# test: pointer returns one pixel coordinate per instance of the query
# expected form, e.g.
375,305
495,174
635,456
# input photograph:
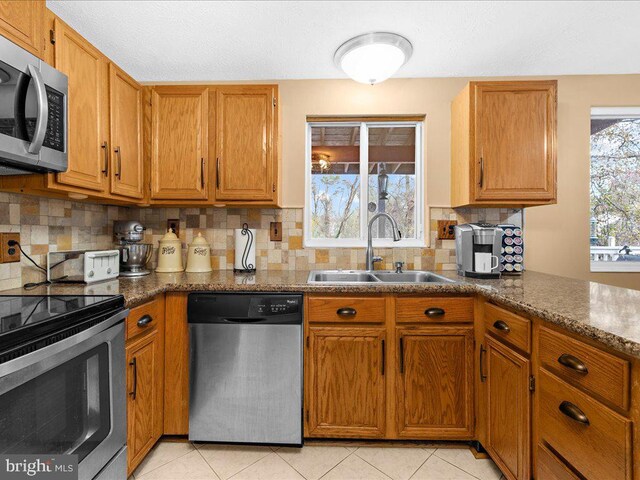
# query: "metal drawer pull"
346,312
401,355
573,363
134,364
573,412
483,350
434,312
502,326
145,320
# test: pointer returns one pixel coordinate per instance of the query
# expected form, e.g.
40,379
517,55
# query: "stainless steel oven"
63,391
33,113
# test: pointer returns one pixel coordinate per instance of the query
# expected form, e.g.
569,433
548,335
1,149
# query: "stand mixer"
134,255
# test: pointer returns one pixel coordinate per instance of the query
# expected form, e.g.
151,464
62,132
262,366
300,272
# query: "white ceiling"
260,40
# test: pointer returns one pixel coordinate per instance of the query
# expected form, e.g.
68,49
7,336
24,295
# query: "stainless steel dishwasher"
245,368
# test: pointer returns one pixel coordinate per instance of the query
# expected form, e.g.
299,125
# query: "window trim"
611,266
361,242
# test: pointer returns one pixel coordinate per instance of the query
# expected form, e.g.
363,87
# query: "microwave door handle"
43,111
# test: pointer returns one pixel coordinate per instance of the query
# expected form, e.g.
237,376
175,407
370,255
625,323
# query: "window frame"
604,265
420,183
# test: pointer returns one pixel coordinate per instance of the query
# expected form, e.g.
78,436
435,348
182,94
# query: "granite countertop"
610,315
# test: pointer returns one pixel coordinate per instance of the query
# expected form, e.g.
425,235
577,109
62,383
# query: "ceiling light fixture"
373,57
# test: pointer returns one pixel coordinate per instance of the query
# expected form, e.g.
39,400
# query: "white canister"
170,253
245,243
199,255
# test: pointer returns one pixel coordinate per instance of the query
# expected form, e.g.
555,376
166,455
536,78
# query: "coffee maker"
134,255
478,248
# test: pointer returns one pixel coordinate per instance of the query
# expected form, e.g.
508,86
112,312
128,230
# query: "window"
357,169
615,189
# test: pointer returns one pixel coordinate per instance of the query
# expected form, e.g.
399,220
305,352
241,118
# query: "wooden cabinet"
125,107
145,379
88,147
21,21
346,387
179,146
503,144
506,374
246,143
435,382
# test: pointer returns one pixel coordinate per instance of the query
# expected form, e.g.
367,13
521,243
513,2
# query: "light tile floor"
183,460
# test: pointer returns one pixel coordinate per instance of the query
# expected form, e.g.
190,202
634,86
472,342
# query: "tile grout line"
205,461
460,468
243,469
425,461
383,473
337,464
133,474
285,461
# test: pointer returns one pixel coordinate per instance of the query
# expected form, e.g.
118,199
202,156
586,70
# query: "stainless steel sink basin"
342,277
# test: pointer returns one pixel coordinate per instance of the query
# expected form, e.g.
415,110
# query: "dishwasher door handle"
245,320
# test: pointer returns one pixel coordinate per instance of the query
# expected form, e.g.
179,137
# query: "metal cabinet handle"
434,312
401,355
218,173
43,111
135,378
502,326
346,312
483,350
573,412
481,171
383,354
202,172
105,147
573,363
144,320
119,157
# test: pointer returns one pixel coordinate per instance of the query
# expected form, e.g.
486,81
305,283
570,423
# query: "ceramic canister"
199,255
170,253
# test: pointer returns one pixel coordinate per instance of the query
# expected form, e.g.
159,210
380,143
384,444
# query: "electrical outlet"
275,231
174,224
445,229
9,253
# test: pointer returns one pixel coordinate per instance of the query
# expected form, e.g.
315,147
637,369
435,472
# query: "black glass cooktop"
25,317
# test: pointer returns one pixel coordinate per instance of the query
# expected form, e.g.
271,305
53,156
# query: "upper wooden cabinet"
245,143
87,69
21,22
125,107
503,144
179,146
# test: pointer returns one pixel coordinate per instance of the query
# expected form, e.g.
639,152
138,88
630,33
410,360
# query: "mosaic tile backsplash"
54,225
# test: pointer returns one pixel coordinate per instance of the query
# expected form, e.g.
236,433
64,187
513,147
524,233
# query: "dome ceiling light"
373,57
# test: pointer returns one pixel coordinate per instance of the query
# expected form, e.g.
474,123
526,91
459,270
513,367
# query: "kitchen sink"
342,277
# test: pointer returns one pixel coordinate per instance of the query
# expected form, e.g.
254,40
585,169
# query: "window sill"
328,243
615,267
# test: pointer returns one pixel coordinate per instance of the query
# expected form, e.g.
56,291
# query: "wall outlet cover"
9,254
445,229
174,224
275,231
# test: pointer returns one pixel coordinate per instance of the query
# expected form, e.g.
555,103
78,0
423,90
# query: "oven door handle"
43,111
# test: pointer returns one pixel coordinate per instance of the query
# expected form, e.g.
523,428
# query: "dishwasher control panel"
269,308
274,306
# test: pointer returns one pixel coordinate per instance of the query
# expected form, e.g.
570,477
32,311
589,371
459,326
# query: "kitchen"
193,223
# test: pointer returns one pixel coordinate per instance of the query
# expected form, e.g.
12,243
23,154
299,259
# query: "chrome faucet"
369,258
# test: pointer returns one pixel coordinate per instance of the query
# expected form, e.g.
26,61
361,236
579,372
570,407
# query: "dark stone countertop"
609,315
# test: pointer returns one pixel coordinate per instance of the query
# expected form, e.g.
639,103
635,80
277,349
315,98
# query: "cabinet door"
125,106
515,135
346,387
144,399
508,407
434,382
21,22
179,143
87,69
245,140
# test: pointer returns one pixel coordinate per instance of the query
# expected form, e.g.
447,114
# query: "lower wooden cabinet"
345,393
435,382
508,408
145,379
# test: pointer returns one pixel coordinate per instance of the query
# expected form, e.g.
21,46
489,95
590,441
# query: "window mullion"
364,179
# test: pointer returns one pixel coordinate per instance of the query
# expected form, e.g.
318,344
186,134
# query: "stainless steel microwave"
33,113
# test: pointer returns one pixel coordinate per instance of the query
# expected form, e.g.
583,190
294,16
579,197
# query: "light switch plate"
275,231
9,254
445,229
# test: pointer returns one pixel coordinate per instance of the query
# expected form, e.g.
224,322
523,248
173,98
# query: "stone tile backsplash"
54,225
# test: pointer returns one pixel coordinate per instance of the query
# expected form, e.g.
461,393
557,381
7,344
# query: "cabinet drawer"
549,467
434,309
508,326
595,440
346,309
594,370
144,318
